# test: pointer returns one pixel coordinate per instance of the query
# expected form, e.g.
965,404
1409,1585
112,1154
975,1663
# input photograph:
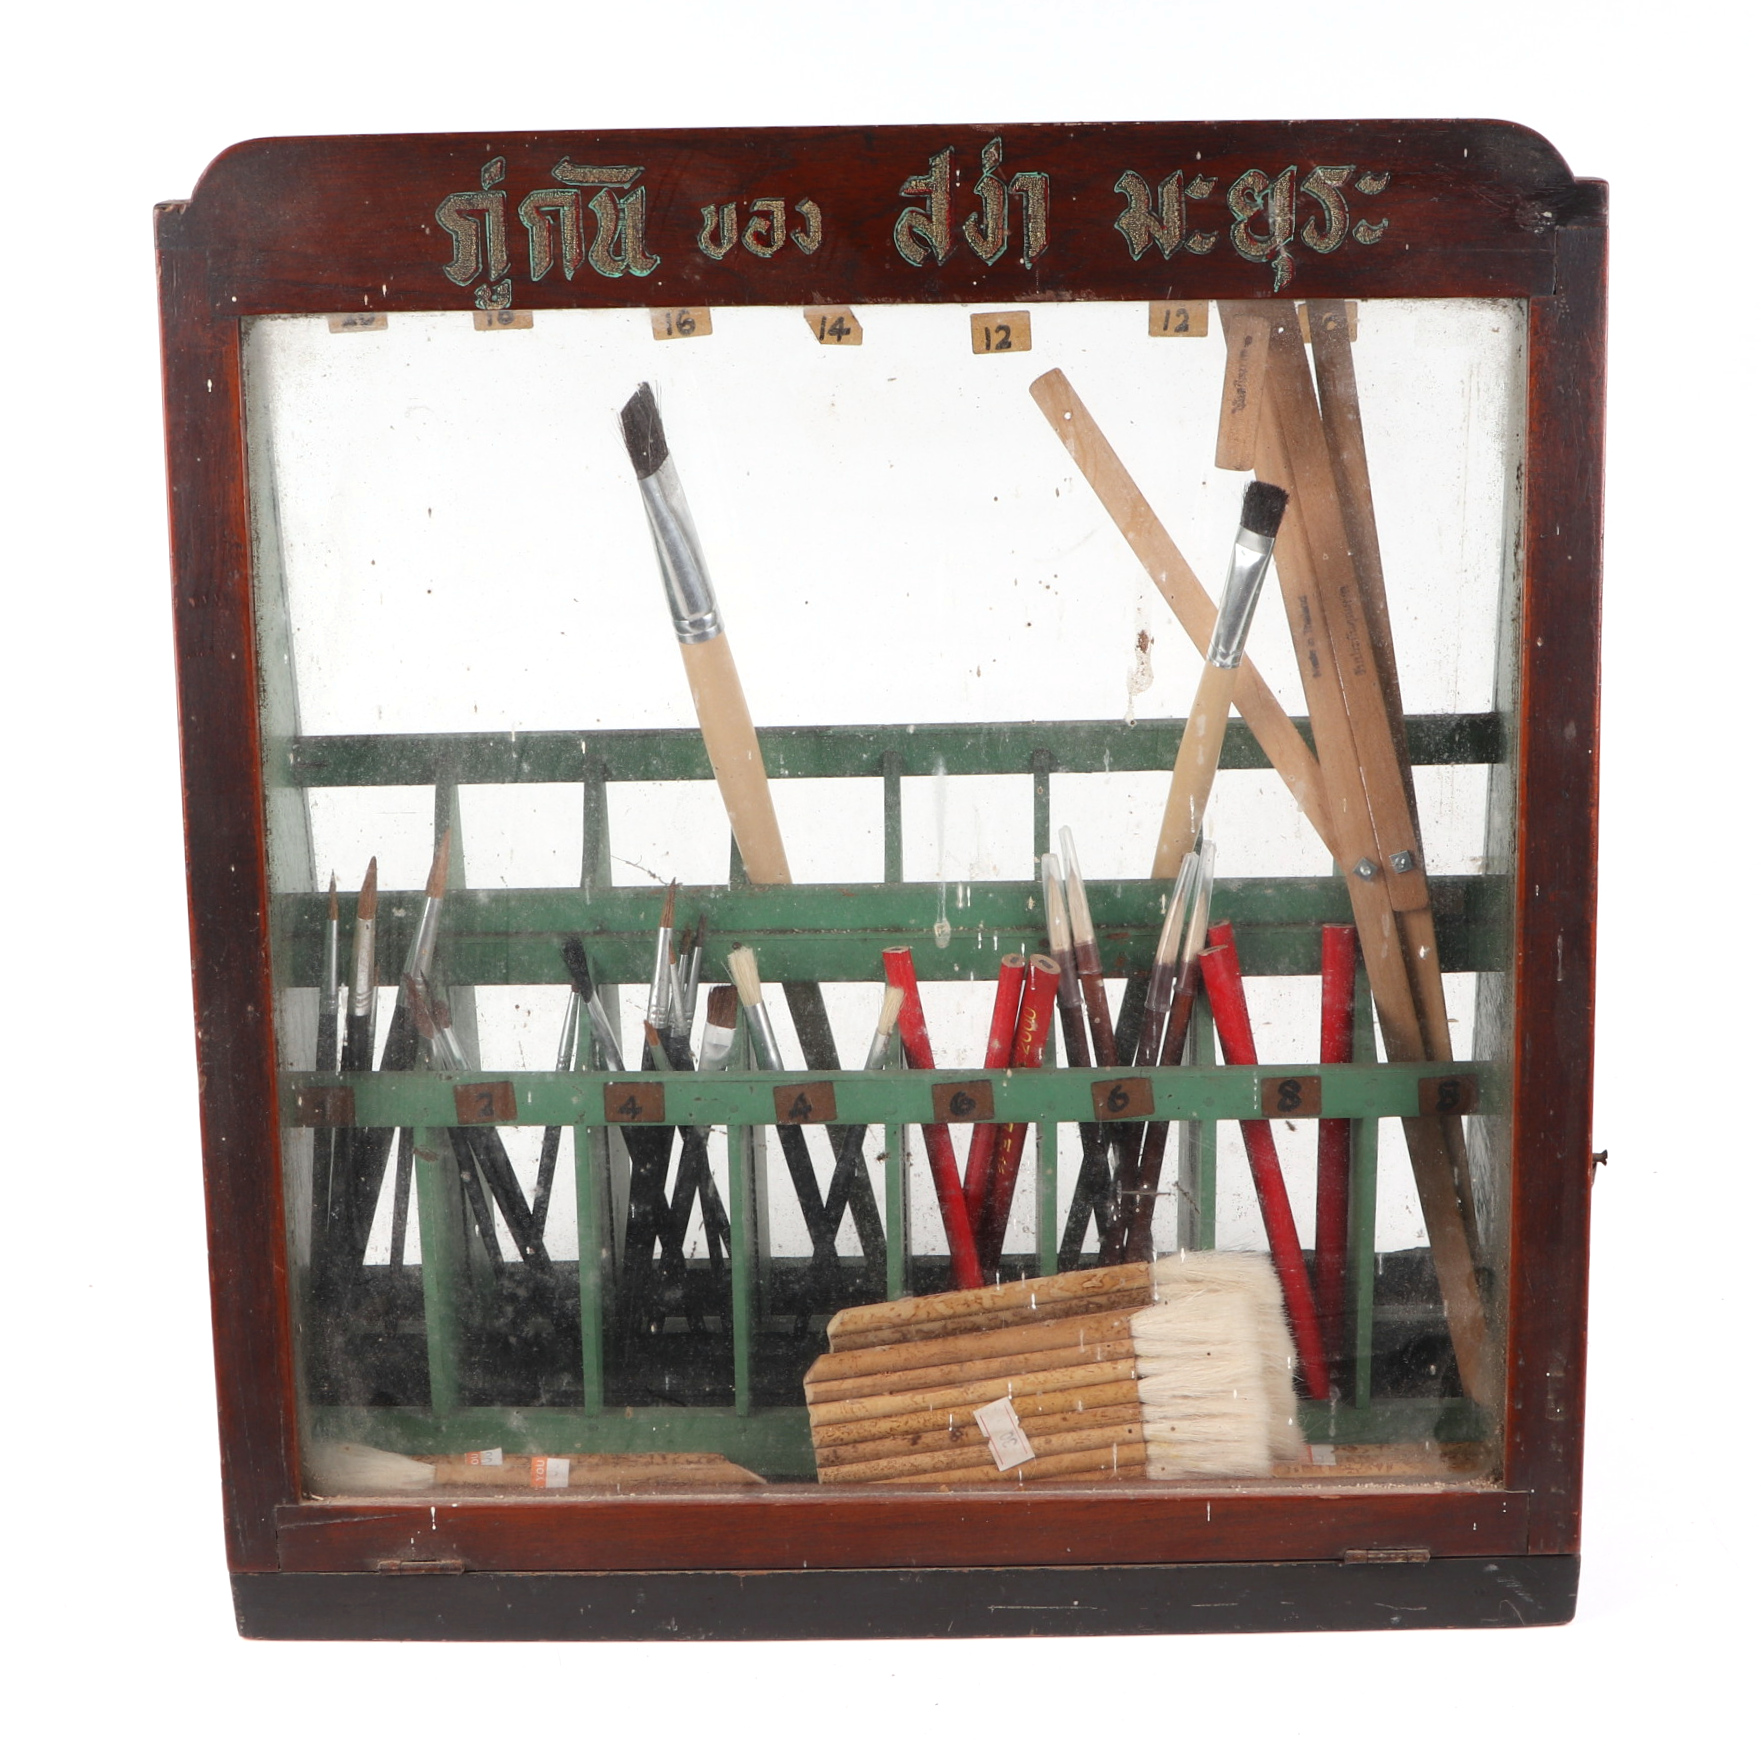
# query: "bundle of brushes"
1181,1368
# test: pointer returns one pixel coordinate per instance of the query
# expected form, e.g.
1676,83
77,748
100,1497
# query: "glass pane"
541,1206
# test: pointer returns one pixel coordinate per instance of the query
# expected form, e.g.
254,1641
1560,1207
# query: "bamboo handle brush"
1201,745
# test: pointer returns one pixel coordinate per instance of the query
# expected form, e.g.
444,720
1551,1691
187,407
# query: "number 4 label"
833,326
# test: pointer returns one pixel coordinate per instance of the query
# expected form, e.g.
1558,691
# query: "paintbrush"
743,967
718,1029
372,1146
1086,948
695,1182
693,970
1005,1013
728,734
1094,1183
1158,999
582,984
1228,997
663,1002
944,1169
1139,1206
1333,1136
1033,1031
553,1136
850,1149
326,1142
1201,743
357,1048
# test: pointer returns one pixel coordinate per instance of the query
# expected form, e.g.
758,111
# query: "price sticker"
679,323
500,320
1180,320
1449,1094
1008,330
488,1103
636,1103
1001,1425
360,322
550,1472
324,1106
798,1104
1296,1095
833,326
1123,1100
966,1100
483,1458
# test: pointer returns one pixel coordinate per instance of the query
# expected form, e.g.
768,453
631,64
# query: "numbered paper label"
358,323
1331,317
1123,1100
500,320
1180,320
635,1103
1008,330
1449,1094
969,1100
834,326
1297,1095
1001,1425
679,323
492,1102
796,1104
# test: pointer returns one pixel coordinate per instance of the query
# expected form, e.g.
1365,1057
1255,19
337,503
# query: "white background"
121,1624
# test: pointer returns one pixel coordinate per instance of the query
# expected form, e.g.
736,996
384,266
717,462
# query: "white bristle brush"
351,1469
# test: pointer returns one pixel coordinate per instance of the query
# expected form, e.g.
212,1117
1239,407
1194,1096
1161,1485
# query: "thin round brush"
1223,983
1033,1031
1088,956
850,1159
1005,1013
944,1169
1333,1140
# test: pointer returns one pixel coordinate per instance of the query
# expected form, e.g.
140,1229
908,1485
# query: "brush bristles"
580,976
891,1003
1262,508
643,435
1216,1367
339,1469
667,909
724,1007
437,872
743,967
1057,916
367,904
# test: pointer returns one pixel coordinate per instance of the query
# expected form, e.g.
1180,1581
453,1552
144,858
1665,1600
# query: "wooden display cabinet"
336,645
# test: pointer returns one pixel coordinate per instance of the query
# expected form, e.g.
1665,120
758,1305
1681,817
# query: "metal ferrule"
660,984
565,1049
362,982
764,1039
678,1019
329,992
718,1045
609,1051
682,569
1248,564
879,1046
693,974
421,959
1166,968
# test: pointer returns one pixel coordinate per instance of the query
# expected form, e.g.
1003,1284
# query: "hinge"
1387,1555
420,1567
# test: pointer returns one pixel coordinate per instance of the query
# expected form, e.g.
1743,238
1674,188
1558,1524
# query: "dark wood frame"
347,224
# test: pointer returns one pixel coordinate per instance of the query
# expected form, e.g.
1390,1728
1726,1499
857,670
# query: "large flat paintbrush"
728,734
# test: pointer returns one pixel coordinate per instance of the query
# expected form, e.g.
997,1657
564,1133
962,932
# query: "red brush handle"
1033,1032
1333,1146
944,1168
1005,1013
1222,973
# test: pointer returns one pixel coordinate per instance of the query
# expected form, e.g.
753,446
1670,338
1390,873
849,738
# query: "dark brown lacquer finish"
511,223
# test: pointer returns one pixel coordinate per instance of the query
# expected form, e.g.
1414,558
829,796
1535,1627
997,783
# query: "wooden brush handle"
1071,1379
1195,768
732,744
910,1318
